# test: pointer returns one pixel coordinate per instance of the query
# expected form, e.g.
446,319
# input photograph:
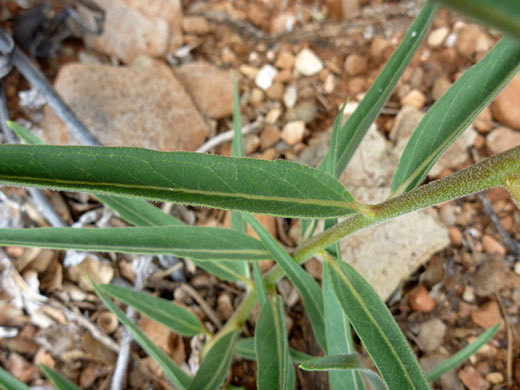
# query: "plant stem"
500,170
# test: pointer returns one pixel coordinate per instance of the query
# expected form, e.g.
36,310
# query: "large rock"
385,254
142,106
134,27
506,106
210,87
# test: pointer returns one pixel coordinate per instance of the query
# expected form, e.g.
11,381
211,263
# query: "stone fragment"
195,25
484,121
419,300
269,136
437,37
293,132
304,111
414,98
257,97
472,379
290,96
502,139
272,116
355,64
378,47
467,41
440,86
275,91
455,236
506,106
99,271
127,106
210,87
249,71
448,380
285,60
134,27
350,8
431,334
308,63
493,247
264,77
487,315
495,378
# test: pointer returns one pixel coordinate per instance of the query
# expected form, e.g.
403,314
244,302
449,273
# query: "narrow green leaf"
463,354
9,382
347,362
454,111
171,315
266,187
377,329
201,243
503,14
349,137
304,283
214,368
259,284
345,140
237,222
136,212
171,370
230,271
24,134
271,347
339,337
291,375
245,348
57,380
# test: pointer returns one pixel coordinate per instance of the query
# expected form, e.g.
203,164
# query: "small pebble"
502,139
249,71
285,60
437,37
290,96
355,64
308,63
472,379
272,116
420,300
493,247
455,236
487,315
469,294
431,334
414,98
269,136
275,91
330,83
517,268
257,97
293,132
264,77
495,378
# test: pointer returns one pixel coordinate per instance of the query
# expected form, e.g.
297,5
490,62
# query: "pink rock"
472,379
134,27
210,87
128,106
502,139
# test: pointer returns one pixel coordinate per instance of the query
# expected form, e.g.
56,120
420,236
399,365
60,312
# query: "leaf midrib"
77,183
359,299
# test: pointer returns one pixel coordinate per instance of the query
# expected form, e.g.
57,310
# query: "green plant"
294,191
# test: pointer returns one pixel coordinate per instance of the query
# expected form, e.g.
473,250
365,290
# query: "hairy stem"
500,170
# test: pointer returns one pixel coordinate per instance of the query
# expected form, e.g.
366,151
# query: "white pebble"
308,63
264,77
290,95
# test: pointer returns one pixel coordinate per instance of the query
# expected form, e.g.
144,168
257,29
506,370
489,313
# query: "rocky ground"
160,77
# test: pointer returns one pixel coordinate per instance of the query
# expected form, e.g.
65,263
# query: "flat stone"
142,106
440,86
487,315
437,37
293,132
466,44
448,380
269,136
355,64
210,87
265,76
414,98
304,111
134,27
431,334
472,379
484,121
285,60
506,106
308,63
502,139
195,25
